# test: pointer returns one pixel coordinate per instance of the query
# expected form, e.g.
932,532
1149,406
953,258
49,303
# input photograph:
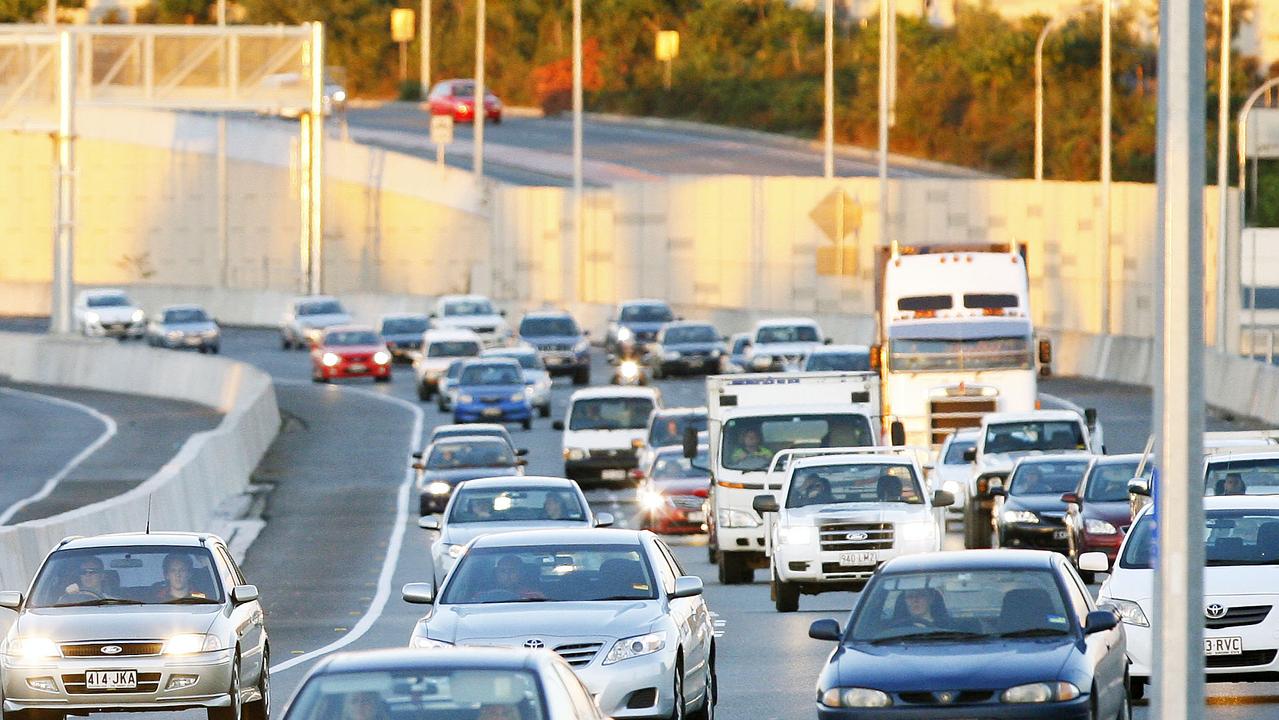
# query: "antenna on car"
148,530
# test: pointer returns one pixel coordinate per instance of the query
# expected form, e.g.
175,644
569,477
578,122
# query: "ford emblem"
112,649
857,536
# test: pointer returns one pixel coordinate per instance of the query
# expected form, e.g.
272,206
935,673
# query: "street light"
1039,96
1105,171
1223,178
887,18
477,115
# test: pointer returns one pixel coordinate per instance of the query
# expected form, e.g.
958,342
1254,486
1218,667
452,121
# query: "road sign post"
402,30
441,135
666,50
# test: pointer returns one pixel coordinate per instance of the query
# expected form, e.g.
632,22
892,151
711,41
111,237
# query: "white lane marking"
393,547
49,485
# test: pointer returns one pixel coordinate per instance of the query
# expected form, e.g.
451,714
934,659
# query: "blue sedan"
981,633
492,390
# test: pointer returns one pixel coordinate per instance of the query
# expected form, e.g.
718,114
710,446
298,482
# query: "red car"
348,351
1097,513
457,98
672,492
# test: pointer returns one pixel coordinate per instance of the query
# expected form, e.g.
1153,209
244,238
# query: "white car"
838,358
537,380
840,514
475,313
953,471
783,344
307,317
601,430
108,312
439,349
1241,590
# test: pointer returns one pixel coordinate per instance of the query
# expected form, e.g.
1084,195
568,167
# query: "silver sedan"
615,604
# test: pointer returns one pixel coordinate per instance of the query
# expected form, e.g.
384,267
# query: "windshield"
691,334
1243,477
468,430
404,326
530,504
1231,537
955,452
750,443
420,693
959,606
186,315
1047,478
838,362
669,429
470,454
486,374
564,573
1108,482
740,345
323,307
455,369
674,466
646,313
453,348
948,355
458,308
854,483
133,575
352,337
1034,435
786,334
621,413
527,360
548,327
107,301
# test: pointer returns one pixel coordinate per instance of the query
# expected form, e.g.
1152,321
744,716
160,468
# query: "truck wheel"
423,393
734,570
582,376
785,595
976,527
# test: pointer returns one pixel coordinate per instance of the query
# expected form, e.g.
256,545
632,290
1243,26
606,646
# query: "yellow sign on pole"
667,47
403,25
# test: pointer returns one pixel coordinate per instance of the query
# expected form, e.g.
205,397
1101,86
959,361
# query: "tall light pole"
64,210
887,16
1039,96
477,149
828,158
1105,170
1223,176
424,58
51,12
579,234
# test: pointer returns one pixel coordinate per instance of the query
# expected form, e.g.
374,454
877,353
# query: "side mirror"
825,629
765,504
970,454
1045,352
897,431
244,593
521,452
827,341
1094,562
687,586
418,593
690,443
1139,486
941,498
557,425
428,522
604,519
1090,418
1099,621
10,599
997,491
1070,498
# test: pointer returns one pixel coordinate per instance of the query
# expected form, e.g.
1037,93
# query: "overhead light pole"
1223,172
1105,170
424,58
1039,96
477,149
887,17
1241,139
579,234
828,125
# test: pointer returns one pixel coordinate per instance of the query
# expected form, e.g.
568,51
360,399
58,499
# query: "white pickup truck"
843,512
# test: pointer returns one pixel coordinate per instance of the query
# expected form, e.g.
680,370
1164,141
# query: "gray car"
137,622
455,459
307,317
615,604
403,333
184,326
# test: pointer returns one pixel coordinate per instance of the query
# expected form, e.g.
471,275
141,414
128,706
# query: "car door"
1105,650
247,619
690,616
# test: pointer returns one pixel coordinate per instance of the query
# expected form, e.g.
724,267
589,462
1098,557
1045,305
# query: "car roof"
643,301
1068,456
508,351
486,438
1030,416
785,321
460,658
548,313
350,328
477,427
620,391
518,481
185,539
1231,457
494,360
187,306
450,333
561,537
966,434
102,291
969,560
852,459
688,323
840,349
677,411
404,316
313,298
466,298
1119,459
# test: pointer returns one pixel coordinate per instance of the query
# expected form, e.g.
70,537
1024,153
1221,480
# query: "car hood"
1117,513
114,313
189,327
323,321
1138,584
857,512
789,348
513,623
120,622
1050,505
542,341
352,349
460,534
602,439
454,476
692,347
471,321
683,486
940,666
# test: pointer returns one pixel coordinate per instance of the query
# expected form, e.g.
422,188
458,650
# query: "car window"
646,313
107,301
674,466
670,557
669,429
739,345
564,573
750,443
462,308
838,362
955,452
453,348
691,334
529,504
1243,477
455,369
469,454
420,693
853,483
786,334
1034,435
352,337
1108,482
610,413
324,307
1078,597
1231,538
236,575
548,326
185,315
404,326
666,572
1046,478
487,374
144,574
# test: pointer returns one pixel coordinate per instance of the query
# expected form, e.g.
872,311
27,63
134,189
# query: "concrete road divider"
209,469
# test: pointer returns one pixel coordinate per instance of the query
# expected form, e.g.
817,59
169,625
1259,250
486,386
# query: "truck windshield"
749,443
853,483
929,355
1034,435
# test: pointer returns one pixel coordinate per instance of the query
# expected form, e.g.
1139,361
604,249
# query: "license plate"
554,361
612,474
864,557
491,412
357,368
111,680
697,516
1059,534
1223,646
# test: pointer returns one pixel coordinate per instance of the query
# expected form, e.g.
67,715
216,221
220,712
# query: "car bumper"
474,412
597,463
807,564
677,520
565,363
192,341
740,539
1108,544
116,330
1259,661
348,371
1037,537
1077,708
691,363
212,670
624,689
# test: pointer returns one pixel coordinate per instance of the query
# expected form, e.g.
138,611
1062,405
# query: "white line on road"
52,482
392,559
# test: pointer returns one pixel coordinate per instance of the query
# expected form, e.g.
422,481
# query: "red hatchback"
348,351
457,98
672,492
1097,513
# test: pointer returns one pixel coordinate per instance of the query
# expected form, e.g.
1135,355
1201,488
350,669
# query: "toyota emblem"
112,649
534,644
857,536
1215,610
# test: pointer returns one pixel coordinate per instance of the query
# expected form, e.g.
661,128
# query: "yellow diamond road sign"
837,215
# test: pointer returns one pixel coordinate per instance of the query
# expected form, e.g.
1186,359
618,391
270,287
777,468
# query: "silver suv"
137,622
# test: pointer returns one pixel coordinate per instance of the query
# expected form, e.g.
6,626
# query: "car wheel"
582,377
677,689
216,349
709,695
203,350
658,372
439,403
712,556
422,393
785,595
233,712
382,379
527,424
1136,688
733,569
423,506
975,523
261,709
544,411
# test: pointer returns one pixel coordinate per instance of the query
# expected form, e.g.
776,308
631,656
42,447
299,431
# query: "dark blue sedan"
492,390
979,633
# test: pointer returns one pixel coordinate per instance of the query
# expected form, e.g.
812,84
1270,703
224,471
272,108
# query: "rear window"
421,694
990,300
453,348
925,302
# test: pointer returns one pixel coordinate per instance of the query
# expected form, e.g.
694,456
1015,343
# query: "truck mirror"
897,431
1045,352
970,454
1090,418
1139,486
690,443
765,504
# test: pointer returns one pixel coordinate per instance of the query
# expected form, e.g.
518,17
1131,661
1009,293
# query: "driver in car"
510,582
751,449
88,584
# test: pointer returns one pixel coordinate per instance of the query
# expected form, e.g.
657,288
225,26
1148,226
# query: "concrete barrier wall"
210,468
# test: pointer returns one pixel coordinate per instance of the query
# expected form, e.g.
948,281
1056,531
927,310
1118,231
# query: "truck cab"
841,513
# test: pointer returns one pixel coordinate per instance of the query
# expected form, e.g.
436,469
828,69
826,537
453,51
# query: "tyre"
734,570
439,403
582,376
203,350
712,556
382,379
711,693
785,595
976,527
423,393
216,349
261,709
544,411
658,372
317,379
1136,688
527,424
423,506
677,689
235,711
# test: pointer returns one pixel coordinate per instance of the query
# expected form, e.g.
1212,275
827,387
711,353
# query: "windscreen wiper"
192,601
931,635
1035,632
100,601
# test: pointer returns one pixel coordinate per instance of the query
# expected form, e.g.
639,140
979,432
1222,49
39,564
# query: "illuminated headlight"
139,316
582,346
574,454
461,107
640,645
799,535
339,96
191,643
381,357
855,697
1021,516
629,370
1129,611
439,488
330,359
32,648
953,488
716,353
425,643
174,335
522,395
1041,692
730,518
914,530
464,398
761,362
672,355
624,334
92,318
651,500
1093,526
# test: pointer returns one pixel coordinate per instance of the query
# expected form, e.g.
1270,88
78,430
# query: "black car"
403,333
633,326
689,347
562,342
449,461
1028,511
976,633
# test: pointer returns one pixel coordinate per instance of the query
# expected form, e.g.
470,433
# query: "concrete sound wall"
185,494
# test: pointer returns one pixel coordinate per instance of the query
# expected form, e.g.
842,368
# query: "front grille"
611,454
357,358
490,398
846,536
1247,658
960,697
646,336
1052,519
1239,616
688,502
953,412
127,649
835,571
579,654
147,683
485,330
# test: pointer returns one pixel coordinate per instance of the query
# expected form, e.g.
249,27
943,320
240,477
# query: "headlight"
439,488
339,96
423,643
635,647
92,317
1129,611
520,396
32,648
139,316
761,362
651,500
799,535
211,333
330,359
914,530
672,355
1041,692
191,643
1021,516
461,107
624,334
582,346
730,518
464,398
629,370
381,357
574,454
1093,526
716,353
855,697
174,335
953,488
456,551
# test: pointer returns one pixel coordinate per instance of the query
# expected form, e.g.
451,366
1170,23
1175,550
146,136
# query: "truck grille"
856,536
1239,616
952,412
579,654
835,571
126,649
147,683
688,502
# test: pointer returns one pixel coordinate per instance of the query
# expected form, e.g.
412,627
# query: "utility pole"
64,208
424,61
579,234
828,164
887,18
477,149
1105,171
1223,174
1039,97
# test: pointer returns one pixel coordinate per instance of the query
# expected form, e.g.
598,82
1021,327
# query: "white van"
601,430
